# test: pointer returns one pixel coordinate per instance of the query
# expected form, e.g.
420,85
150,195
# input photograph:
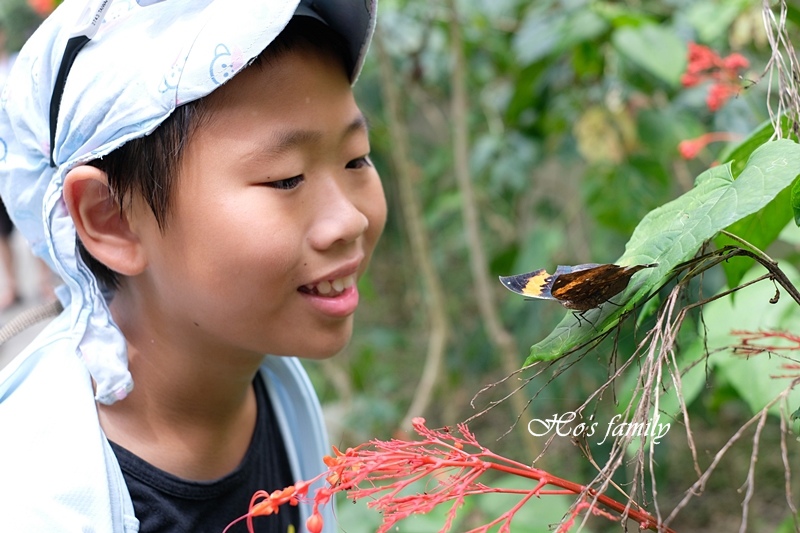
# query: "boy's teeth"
324,287
333,287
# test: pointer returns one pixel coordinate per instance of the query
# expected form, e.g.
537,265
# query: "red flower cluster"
706,65
43,7
453,462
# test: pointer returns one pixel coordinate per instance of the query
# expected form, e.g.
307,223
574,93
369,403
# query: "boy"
223,221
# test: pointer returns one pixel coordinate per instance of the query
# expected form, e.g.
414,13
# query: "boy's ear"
103,227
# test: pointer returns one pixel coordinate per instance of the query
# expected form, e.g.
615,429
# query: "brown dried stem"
418,236
784,66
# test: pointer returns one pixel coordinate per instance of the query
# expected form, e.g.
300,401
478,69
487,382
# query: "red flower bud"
314,523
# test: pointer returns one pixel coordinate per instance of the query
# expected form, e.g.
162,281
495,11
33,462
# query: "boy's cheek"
379,208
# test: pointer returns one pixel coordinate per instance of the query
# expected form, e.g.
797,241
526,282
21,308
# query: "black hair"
149,166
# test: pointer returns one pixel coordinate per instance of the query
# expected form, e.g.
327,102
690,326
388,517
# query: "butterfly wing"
586,288
570,269
582,289
536,284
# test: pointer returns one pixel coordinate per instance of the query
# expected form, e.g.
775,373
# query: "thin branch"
782,65
418,236
751,471
484,284
787,469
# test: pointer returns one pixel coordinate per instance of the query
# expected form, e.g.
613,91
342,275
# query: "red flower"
690,148
718,95
701,58
690,79
735,61
43,7
704,64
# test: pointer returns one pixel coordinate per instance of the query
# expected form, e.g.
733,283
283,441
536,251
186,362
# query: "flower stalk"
691,148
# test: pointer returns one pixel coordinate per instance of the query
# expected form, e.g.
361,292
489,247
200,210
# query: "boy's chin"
319,343
320,353
321,346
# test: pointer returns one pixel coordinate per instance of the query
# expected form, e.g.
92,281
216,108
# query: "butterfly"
579,287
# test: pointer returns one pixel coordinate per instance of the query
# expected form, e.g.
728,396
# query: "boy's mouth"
329,288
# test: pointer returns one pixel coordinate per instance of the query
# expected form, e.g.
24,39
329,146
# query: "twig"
752,248
787,469
484,285
783,64
439,331
751,481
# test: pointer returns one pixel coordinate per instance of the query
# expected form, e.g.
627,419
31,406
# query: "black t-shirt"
167,503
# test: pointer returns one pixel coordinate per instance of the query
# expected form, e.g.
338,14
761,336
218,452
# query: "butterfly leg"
581,317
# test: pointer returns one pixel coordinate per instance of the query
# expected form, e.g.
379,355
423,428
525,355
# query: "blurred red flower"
704,64
43,7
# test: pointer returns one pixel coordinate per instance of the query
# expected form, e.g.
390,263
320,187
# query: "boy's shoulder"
53,456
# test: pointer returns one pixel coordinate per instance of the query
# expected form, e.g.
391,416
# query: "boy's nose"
340,220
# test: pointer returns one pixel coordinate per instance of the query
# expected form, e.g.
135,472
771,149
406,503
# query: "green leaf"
623,15
796,202
674,232
544,32
787,526
738,154
712,20
641,184
753,377
761,228
657,50
793,13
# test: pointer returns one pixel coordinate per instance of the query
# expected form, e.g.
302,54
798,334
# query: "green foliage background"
575,113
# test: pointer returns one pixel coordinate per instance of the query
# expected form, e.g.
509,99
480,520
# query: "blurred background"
514,135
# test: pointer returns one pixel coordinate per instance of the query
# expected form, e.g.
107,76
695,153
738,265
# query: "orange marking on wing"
538,285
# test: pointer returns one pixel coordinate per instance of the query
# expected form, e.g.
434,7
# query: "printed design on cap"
35,75
118,9
225,63
116,15
173,76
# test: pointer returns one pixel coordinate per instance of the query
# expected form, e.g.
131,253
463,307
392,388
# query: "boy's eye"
359,162
287,184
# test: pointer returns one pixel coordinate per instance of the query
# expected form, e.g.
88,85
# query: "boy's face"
276,212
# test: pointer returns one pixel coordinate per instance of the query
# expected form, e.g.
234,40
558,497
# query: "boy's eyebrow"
287,139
